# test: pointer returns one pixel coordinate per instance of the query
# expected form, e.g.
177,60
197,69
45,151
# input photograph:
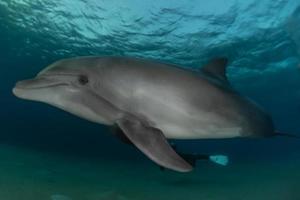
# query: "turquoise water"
46,153
39,175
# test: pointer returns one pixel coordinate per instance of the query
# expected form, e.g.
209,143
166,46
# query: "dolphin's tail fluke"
219,159
287,135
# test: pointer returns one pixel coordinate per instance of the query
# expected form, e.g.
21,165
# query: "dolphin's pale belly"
201,128
173,131
177,118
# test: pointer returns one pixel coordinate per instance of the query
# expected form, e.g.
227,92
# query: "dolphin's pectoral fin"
152,142
120,135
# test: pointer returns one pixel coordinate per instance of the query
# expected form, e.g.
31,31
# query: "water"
49,154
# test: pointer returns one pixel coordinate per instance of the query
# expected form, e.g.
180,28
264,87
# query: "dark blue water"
260,38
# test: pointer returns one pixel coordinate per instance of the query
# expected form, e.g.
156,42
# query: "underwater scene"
163,113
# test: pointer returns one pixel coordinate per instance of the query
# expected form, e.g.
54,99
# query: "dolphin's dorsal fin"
216,68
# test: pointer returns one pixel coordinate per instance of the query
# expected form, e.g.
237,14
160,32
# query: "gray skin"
150,101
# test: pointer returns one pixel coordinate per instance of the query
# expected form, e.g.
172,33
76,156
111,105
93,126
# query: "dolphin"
150,101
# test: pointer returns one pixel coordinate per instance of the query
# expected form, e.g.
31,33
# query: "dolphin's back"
183,104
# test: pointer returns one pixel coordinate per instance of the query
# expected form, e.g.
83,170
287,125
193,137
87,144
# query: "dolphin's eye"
83,80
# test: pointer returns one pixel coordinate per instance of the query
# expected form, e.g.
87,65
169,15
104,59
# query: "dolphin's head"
68,84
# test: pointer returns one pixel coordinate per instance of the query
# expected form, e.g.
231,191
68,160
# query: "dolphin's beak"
22,87
34,83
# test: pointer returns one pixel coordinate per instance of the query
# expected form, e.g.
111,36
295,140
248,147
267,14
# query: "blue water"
260,38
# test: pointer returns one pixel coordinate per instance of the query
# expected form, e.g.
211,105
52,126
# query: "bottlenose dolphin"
150,101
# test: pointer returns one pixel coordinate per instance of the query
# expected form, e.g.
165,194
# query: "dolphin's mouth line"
41,87
39,83
45,86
